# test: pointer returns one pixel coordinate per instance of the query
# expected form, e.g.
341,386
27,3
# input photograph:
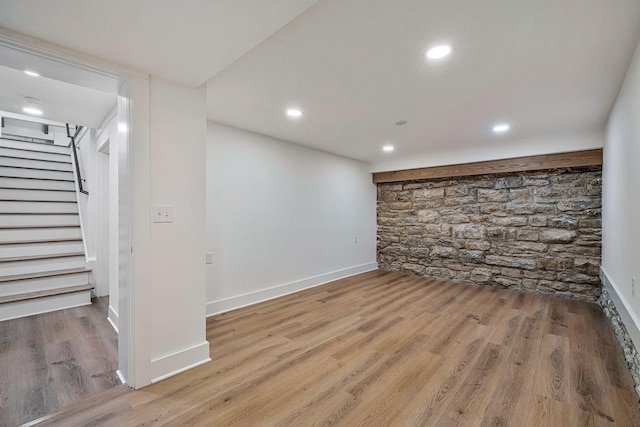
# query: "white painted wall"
176,254
282,217
621,200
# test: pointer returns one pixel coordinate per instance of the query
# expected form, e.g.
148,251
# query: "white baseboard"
113,319
239,301
630,320
180,361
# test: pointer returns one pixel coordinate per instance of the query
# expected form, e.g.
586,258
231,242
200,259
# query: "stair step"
42,294
30,303
35,164
15,207
11,171
42,220
41,248
21,235
29,194
22,153
43,280
37,264
38,184
35,146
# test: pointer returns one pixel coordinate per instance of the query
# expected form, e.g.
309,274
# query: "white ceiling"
355,67
60,101
186,41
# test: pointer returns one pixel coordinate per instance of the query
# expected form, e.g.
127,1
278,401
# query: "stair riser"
35,249
34,164
7,171
15,310
40,266
21,235
46,148
7,221
39,184
38,207
43,283
21,194
34,155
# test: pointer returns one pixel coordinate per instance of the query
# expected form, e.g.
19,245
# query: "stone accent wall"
630,351
534,231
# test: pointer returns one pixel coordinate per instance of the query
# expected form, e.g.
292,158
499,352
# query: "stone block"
555,263
529,235
471,231
508,182
508,282
529,208
538,221
480,275
415,268
492,196
563,221
521,195
507,261
509,221
557,235
429,193
579,205
457,191
388,196
466,255
443,252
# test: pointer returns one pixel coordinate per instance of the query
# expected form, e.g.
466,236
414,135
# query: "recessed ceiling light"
439,52
501,128
33,111
294,112
388,148
31,73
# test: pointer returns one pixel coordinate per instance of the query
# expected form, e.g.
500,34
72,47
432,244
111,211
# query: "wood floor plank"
379,349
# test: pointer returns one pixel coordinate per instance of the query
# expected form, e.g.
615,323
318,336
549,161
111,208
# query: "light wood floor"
388,349
53,360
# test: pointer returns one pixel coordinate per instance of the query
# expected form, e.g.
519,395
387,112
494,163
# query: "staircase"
42,260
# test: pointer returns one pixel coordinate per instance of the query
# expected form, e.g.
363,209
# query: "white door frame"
133,119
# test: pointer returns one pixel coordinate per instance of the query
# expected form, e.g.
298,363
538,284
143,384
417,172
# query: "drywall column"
176,275
621,214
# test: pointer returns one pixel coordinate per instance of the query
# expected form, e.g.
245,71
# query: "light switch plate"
162,213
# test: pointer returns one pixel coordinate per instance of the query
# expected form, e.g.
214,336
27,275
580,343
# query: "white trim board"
631,322
239,301
113,319
180,361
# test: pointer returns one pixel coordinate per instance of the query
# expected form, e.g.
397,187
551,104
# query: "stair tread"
35,160
23,227
36,178
38,201
45,226
42,257
29,242
41,144
43,294
37,189
31,150
39,275
35,169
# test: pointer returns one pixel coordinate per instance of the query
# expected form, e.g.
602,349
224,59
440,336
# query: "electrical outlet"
633,286
209,257
162,213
